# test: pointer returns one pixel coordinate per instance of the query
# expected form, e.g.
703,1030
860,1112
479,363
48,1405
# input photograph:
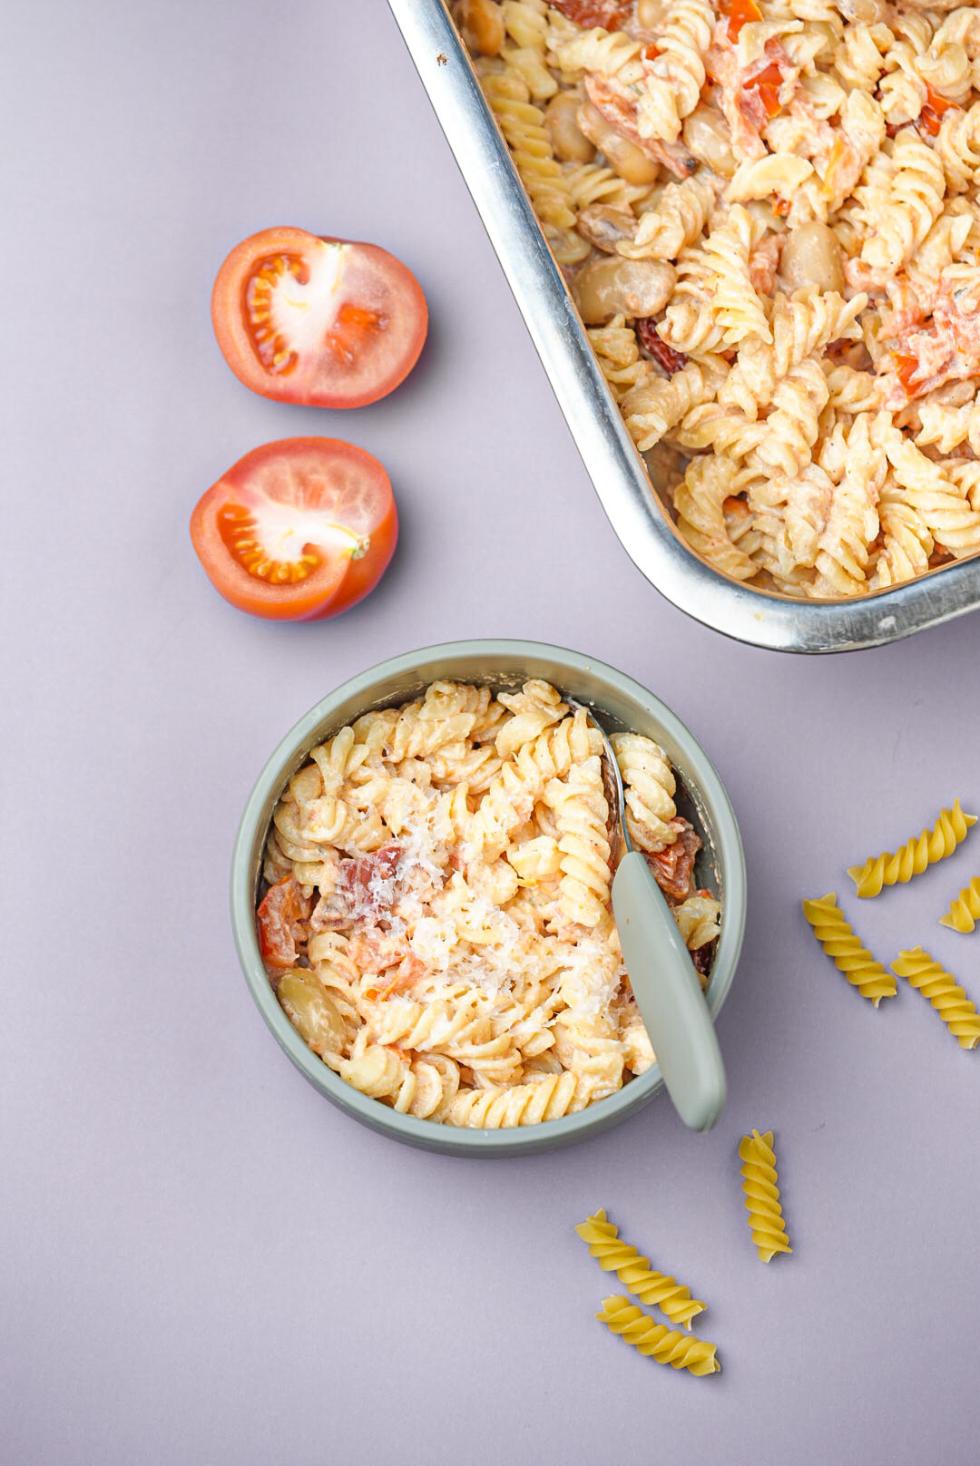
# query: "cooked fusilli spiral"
546,1098
760,1182
653,1289
957,1011
818,201
915,856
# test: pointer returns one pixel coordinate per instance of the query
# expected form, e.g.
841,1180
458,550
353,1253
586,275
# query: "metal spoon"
664,979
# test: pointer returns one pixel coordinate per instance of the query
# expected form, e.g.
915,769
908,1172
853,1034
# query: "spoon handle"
668,994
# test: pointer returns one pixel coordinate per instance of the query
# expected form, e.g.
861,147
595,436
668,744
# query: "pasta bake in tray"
767,214
435,912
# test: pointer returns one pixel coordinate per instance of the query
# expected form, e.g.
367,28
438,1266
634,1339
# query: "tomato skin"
341,580
309,383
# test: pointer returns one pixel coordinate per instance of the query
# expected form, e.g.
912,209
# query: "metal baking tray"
638,516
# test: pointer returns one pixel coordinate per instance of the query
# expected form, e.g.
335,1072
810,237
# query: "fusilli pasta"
964,909
656,1340
771,224
916,855
760,1182
653,1289
436,915
957,1011
837,937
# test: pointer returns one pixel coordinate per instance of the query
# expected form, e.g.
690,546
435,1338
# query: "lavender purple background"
200,1260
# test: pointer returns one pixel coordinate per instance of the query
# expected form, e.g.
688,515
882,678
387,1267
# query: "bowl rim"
699,775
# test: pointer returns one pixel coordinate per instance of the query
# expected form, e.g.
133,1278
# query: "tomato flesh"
326,322
279,920
740,12
297,530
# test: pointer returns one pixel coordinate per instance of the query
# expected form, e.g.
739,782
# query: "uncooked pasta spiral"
760,1182
546,1098
957,1011
915,856
656,1340
838,939
654,1289
964,909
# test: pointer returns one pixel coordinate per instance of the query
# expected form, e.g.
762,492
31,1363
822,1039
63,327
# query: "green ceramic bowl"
619,701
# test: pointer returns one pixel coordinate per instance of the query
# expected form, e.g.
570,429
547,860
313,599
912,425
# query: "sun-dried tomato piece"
364,892
610,14
281,918
665,356
673,867
367,883
702,958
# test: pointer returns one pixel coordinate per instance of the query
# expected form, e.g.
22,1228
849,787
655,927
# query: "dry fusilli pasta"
915,856
837,937
760,1182
957,1011
964,909
654,1289
656,1340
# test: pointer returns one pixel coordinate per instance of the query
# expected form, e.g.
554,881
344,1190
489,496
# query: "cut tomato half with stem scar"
326,322
297,530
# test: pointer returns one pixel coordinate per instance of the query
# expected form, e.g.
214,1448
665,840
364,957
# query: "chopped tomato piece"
740,12
665,356
320,321
281,916
610,14
297,530
932,112
905,369
408,972
767,84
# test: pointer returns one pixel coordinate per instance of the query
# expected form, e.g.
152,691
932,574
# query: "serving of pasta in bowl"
745,237
421,893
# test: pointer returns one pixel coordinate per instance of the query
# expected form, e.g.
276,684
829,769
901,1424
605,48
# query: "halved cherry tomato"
279,919
325,322
297,530
740,12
